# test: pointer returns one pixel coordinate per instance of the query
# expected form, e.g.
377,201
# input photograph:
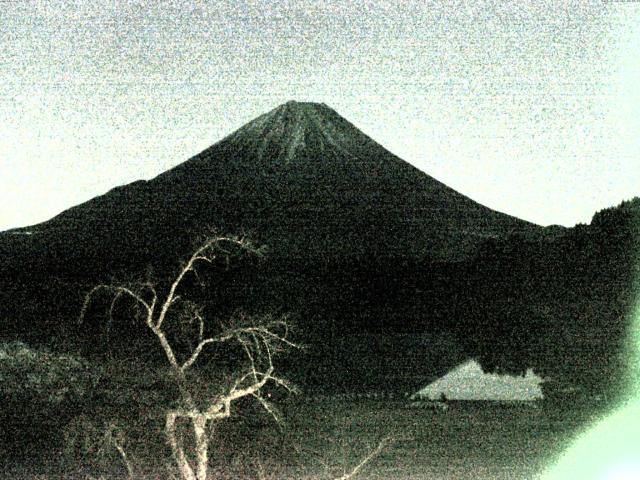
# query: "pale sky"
531,108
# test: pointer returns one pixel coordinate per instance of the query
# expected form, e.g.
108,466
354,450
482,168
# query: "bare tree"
260,339
333,470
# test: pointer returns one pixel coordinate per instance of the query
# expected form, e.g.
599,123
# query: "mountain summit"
300,179
304,178
298,130
288,128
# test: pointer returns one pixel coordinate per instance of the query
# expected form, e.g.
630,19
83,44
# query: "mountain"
301,180
393,277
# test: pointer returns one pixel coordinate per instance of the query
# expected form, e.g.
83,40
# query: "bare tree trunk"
260,341
202,446
186,472
125,460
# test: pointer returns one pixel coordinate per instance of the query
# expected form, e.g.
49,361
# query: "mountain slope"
392,277
361,245
300,179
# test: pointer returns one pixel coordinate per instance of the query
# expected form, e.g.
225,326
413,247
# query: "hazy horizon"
528,109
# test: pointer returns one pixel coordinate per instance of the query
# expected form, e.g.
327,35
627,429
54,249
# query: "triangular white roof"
469,382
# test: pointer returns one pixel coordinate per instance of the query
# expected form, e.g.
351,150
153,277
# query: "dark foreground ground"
323,438
471,440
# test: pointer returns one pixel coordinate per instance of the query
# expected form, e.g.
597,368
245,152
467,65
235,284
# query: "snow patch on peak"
285,133
296,141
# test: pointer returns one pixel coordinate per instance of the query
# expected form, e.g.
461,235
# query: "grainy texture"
527,107
521,113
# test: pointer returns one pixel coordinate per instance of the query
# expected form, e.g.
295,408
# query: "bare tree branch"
186,470
267,406
116,297
260,339
119,291
366,459
205,253
196,352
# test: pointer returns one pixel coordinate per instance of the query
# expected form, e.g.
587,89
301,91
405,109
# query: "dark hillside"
564,307
391,275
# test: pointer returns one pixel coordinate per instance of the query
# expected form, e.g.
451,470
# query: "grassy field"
323,439
471,440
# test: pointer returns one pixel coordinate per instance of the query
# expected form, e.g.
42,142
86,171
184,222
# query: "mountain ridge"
293,170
